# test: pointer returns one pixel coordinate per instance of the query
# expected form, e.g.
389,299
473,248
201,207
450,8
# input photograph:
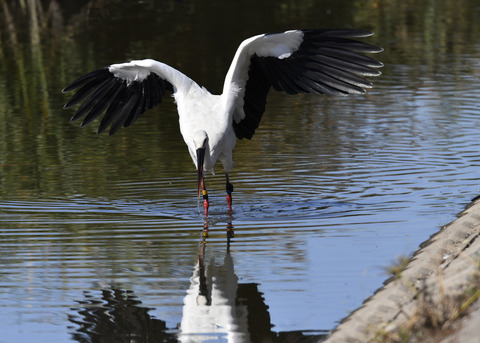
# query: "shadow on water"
216,307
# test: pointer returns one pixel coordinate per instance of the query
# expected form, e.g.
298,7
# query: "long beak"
200,159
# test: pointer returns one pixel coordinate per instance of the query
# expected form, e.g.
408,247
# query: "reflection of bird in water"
210,309
298,61
217,307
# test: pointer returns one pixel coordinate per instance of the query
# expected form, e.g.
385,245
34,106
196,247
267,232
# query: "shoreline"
432,298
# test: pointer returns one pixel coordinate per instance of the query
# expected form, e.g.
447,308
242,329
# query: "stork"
320,61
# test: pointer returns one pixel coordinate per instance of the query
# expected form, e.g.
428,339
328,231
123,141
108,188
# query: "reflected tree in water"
44,44
117,316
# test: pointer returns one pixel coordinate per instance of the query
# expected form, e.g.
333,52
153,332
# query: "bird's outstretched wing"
300,61
122,91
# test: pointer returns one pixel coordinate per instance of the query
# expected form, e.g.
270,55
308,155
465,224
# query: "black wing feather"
127,109
121,102
114,109
255,96
94,75
326,62
101,105
93,99
88,85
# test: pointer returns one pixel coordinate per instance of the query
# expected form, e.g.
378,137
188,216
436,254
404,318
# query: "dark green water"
100,236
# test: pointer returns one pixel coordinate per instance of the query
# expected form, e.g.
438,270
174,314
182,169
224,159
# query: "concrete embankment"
433,299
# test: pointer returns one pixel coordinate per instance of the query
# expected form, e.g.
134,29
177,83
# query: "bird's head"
200,141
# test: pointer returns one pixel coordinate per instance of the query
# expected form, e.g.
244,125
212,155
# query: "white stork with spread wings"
299,61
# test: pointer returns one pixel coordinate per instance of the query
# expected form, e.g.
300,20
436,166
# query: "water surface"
101,236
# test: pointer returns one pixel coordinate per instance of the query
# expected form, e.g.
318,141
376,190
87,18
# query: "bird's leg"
229,193
205,197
